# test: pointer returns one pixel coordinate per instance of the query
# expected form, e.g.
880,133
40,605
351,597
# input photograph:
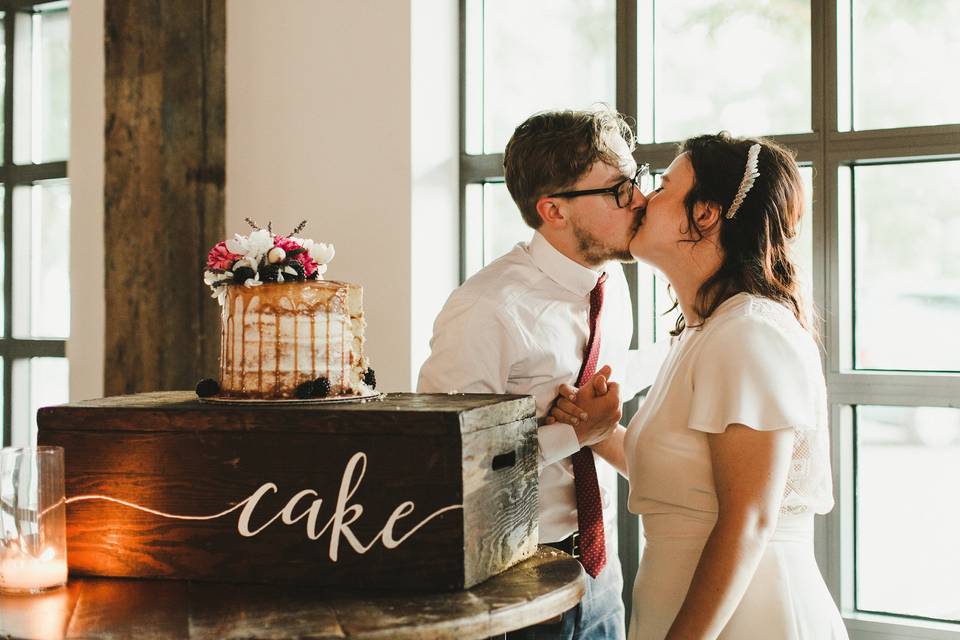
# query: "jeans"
599,616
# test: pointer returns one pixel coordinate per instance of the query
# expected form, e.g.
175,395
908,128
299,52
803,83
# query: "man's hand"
594,410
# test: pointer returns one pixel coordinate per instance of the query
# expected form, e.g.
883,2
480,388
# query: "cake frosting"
285,331
278,336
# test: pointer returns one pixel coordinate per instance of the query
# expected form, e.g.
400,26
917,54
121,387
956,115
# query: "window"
876,129
35,312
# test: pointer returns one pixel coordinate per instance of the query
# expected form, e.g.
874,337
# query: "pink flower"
303,257
221,258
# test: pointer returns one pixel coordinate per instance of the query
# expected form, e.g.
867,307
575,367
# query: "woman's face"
664,225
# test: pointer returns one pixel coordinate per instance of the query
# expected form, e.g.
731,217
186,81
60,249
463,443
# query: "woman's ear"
550,213
707,215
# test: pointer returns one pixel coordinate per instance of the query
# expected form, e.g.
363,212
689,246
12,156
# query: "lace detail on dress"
809,484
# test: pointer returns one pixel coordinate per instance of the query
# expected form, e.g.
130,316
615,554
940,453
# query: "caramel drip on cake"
224,340
293,355
243,343
276,352
313,347
260,349
327,342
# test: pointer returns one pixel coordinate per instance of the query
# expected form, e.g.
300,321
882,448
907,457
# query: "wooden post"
163,193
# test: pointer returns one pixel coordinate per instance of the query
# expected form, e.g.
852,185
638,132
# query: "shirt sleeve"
472,351
555,442
752,372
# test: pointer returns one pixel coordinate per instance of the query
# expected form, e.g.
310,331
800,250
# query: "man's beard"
595,252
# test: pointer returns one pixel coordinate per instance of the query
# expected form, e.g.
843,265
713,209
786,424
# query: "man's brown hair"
551,150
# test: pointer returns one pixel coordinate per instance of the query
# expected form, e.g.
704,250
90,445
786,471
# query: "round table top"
535,590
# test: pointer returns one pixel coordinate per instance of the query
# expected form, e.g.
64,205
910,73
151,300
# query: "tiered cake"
285,332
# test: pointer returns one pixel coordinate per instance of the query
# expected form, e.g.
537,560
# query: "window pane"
729,64
803,244
37,382
913,45
503,226
907,266
42,85
473,233
907,529
543,54
42,249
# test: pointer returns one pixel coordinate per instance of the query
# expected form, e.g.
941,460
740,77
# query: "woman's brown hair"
756,241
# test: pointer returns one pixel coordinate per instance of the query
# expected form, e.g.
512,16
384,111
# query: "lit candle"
23,573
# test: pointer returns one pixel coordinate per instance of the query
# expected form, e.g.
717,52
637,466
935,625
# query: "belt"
569,545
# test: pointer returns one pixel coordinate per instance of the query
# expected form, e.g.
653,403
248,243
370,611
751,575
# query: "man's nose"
639,200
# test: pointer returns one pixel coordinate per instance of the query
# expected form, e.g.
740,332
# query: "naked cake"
286,333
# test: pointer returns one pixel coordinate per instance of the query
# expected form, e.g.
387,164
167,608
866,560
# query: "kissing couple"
728,456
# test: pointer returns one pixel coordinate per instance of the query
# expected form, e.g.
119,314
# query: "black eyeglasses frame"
614,190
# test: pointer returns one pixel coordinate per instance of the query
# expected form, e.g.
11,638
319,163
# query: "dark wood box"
413,491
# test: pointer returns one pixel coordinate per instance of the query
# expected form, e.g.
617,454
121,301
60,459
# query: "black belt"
569,545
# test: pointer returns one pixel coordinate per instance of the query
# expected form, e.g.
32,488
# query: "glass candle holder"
33,523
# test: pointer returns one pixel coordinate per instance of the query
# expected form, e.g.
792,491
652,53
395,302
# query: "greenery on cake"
263,257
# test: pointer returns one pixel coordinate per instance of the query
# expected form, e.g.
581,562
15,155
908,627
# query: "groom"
546,313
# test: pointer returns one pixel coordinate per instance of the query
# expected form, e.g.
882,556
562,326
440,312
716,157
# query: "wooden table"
535,590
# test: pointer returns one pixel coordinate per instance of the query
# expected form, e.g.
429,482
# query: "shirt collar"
570,275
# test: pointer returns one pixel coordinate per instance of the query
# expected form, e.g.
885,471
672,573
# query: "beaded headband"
750,173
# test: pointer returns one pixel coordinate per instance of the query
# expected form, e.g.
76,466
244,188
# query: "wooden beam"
164,181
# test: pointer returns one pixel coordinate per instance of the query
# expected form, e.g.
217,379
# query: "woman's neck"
687,274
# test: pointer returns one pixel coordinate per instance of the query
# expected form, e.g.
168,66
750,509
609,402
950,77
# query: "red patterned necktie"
593,548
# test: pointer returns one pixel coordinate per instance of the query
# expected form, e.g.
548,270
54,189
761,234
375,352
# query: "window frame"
826,150
14,175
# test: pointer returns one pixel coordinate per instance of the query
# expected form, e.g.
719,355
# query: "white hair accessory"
750,173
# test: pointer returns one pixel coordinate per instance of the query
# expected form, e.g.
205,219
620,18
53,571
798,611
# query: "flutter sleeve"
755,372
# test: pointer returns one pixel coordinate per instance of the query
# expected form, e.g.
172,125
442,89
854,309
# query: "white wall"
85,170
341,113
435,143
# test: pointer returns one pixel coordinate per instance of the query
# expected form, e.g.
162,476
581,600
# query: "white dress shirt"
520,325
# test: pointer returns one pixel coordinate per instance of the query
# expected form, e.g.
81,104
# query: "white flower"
322,253
253,246
306,243
259,242
238,244
249,261
214,279
253,282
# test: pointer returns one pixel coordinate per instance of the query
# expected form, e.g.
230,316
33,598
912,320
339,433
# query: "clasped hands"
593,410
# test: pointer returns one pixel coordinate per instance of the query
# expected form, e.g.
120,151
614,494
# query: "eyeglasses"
622,192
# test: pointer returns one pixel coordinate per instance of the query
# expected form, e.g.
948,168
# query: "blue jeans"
599,616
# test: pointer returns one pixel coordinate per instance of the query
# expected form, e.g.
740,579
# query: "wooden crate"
414,491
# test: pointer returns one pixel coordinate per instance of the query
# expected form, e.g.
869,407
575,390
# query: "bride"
728,457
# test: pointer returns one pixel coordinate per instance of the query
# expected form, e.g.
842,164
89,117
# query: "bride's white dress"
753,364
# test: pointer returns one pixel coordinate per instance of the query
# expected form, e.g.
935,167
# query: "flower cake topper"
264,257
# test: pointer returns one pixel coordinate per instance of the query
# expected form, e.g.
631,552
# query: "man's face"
603,230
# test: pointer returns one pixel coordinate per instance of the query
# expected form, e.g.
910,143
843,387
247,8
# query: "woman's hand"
594,410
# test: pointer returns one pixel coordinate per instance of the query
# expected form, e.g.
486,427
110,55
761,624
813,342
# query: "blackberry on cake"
305,390
207,387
